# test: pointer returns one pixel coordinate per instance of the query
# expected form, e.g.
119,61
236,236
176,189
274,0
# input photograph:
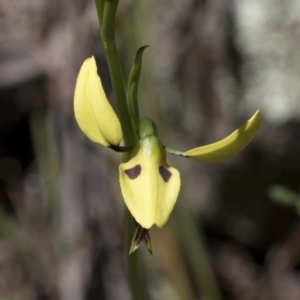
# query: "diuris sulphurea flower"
149,185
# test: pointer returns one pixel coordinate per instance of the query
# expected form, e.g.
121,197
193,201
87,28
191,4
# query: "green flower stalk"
150,186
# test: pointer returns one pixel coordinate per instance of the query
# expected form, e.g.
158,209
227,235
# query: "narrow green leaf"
133,85
100,9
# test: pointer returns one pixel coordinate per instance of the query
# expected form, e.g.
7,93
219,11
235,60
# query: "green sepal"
133,85
140,235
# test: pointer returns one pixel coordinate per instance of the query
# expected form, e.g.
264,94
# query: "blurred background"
234,233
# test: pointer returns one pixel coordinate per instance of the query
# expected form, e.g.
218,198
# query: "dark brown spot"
134,172
165,174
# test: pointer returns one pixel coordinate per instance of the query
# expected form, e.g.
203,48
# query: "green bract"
149,185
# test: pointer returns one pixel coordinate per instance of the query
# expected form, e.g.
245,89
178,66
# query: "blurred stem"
106,10
192,240
24,243
42,132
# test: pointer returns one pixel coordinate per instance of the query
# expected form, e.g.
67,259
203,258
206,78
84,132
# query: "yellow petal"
93,113
149,185
230,146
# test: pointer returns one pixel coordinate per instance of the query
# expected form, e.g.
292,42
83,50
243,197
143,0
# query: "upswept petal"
149,185
229,146
93,113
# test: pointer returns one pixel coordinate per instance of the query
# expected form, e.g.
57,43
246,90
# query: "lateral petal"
93,113
229,146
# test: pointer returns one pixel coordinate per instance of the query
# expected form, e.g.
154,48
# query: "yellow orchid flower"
149,185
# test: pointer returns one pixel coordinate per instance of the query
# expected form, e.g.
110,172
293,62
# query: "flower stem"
197,256
106,10
132,260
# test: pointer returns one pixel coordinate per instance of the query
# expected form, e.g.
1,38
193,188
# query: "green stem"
114,64
193,244
132,260
106,10
100,9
